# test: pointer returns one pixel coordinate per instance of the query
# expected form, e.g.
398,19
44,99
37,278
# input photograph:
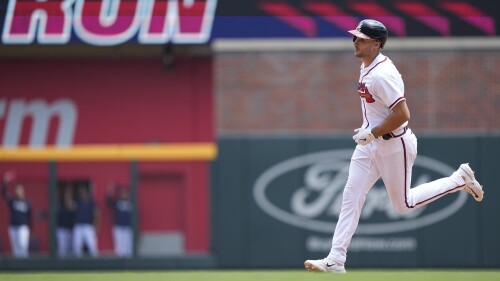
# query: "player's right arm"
7,178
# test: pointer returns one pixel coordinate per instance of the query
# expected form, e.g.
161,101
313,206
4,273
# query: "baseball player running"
386,148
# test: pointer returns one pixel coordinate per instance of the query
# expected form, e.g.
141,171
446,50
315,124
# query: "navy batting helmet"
371,29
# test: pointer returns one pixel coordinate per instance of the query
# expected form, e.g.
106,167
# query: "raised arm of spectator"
7,178
4,191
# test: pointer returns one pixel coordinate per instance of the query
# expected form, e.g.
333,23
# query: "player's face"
68,193
124,194
19,191
365,47
83,193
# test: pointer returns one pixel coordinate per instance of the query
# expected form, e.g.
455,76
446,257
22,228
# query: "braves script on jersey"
380,88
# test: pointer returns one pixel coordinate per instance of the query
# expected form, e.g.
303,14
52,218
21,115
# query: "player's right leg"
362,176
14,241
324,265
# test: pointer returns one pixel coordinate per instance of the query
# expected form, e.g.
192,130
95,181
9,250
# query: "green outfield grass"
260,275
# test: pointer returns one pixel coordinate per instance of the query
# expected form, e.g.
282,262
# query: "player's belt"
390,135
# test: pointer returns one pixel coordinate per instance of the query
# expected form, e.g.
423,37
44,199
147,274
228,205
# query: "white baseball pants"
392,160
122,238
19,240
64,241
84,233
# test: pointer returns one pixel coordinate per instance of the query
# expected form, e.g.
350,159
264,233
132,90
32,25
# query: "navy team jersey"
20,211
84,213
122,211
65,216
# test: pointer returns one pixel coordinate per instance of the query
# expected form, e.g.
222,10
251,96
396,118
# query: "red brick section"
315,93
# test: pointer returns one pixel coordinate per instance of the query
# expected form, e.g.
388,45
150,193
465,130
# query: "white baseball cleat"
472,186
323,265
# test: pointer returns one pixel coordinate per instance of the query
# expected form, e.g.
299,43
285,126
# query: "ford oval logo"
324,179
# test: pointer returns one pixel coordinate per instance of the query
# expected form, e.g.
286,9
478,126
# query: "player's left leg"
395,162
24,240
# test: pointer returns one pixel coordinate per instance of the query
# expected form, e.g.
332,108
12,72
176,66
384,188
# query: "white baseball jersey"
380,88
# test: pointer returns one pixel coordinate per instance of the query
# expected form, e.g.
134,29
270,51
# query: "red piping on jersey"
373,68
366,117
364,106
435,196
404,132
395,102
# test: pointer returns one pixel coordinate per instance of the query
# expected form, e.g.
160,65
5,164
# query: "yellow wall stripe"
112,152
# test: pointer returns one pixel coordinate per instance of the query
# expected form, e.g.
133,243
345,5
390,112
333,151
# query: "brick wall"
315,92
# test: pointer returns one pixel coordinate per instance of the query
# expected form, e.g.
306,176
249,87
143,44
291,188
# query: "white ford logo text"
321,195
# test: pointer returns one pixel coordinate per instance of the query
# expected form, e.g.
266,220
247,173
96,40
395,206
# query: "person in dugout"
20,221
119,200
87,219
65,223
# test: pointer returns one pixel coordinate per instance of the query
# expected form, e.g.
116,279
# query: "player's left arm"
398,116
390,88
6,180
